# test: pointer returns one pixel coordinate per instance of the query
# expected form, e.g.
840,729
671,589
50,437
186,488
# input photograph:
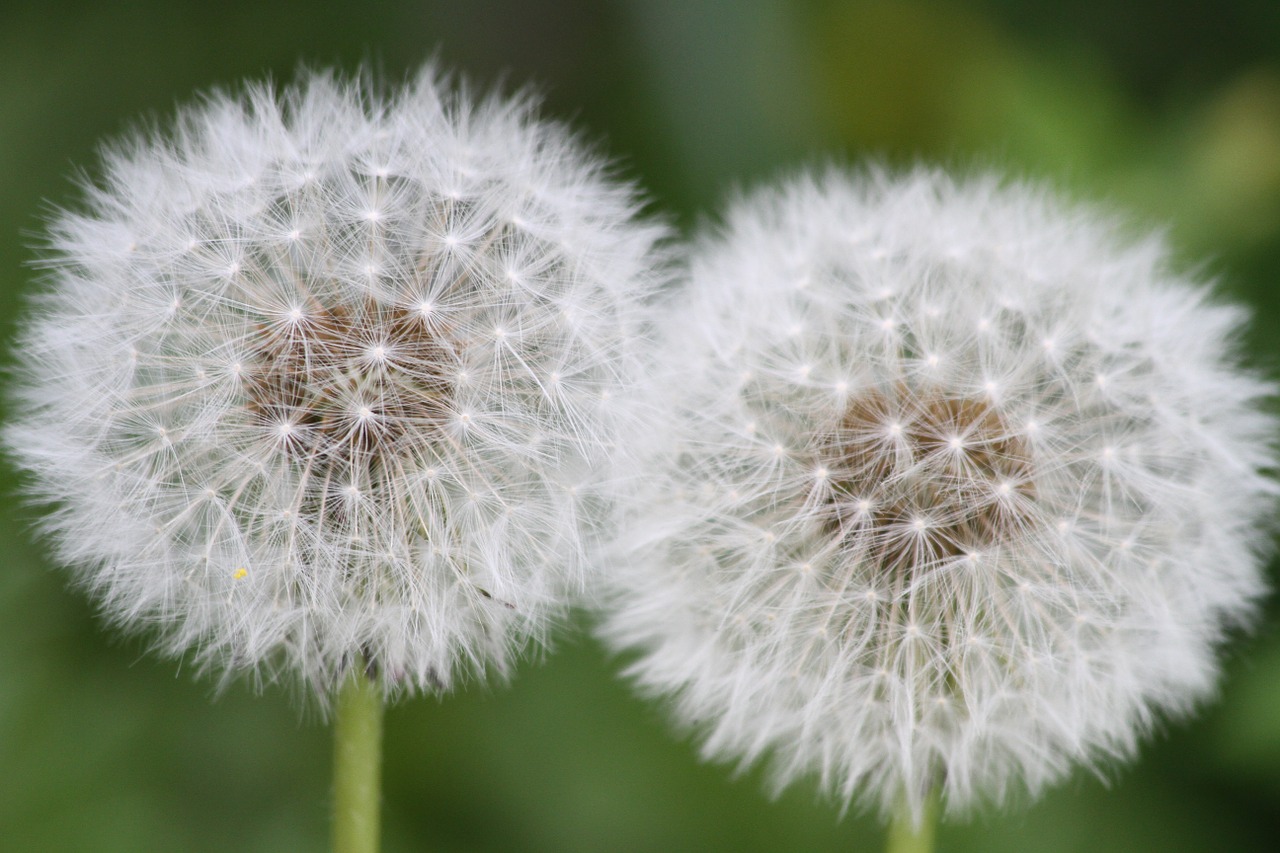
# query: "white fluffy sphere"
945,487
323,375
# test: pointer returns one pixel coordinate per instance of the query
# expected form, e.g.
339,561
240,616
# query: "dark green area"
1169,109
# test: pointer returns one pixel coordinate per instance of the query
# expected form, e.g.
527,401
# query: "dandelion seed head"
1014,562
265,396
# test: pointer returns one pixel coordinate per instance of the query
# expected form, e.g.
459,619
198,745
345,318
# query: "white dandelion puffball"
326,375
956,491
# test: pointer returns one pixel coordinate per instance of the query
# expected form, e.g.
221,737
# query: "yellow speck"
240,572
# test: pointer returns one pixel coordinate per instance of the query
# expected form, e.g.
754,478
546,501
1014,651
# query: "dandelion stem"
357,765
906,834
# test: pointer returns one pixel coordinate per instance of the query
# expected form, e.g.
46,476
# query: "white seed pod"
946,488
325,374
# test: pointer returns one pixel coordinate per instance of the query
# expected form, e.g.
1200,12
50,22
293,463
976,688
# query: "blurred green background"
1168,109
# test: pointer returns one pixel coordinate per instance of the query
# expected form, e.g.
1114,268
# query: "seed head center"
916,479
350,385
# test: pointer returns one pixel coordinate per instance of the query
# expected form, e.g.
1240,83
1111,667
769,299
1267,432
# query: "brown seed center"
918,479
344,387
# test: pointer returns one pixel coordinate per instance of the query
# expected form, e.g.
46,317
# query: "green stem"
357,765
907,836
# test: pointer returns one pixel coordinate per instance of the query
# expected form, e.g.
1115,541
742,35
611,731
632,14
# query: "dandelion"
951,490
322,378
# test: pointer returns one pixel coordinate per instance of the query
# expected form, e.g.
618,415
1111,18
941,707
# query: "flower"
326,374
947,487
